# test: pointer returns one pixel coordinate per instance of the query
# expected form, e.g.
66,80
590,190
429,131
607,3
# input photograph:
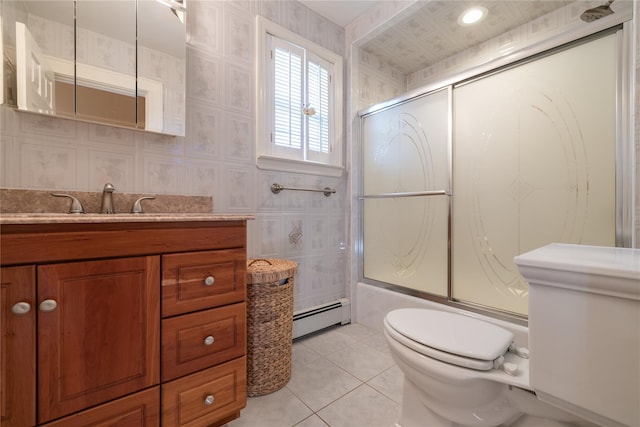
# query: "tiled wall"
215,158
378,81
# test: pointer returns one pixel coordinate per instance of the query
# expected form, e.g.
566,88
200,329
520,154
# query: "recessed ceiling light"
472,16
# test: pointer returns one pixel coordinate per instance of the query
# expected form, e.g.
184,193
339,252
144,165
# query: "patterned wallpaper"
215,158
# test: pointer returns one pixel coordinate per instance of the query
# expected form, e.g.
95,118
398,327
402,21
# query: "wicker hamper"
269,324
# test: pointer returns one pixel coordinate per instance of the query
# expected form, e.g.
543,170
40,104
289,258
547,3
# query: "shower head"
596,13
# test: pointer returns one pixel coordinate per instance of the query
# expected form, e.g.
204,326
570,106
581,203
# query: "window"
299,111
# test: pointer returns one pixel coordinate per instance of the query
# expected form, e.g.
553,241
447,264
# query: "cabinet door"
98,334
18,346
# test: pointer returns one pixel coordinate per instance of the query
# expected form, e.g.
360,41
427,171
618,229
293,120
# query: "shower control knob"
209,340
209,400
510,368
209,280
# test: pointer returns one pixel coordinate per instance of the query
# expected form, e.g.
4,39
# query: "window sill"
298,166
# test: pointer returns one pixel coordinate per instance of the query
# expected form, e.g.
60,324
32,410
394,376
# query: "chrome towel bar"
406,194
276,188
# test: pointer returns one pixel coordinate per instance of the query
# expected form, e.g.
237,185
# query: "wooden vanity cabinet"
105,350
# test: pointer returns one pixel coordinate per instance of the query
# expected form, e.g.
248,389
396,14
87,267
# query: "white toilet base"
414,413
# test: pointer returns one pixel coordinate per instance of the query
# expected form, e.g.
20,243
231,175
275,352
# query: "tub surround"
41,201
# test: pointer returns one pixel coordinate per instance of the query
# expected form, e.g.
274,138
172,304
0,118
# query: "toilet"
463,369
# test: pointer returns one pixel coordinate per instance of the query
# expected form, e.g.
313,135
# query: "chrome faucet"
107,199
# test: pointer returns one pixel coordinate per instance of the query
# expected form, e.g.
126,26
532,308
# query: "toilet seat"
449,337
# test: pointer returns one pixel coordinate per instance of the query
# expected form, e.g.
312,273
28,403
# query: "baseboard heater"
321,316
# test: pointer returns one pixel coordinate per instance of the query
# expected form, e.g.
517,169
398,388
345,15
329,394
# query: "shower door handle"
406,194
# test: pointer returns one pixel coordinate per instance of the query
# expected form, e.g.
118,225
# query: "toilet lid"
453,334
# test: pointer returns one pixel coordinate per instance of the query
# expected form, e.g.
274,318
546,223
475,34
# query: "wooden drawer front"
184,400
187,277
198,340
140,409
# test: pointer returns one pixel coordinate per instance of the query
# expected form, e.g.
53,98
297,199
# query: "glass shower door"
535,165
406,194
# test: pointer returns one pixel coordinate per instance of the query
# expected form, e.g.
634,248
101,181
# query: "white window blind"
288,96
300,117
301,102
318,98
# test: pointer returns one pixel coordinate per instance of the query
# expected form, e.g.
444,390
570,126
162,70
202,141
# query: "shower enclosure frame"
624,156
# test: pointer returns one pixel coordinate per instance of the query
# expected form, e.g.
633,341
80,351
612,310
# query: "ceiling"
341,12
430,33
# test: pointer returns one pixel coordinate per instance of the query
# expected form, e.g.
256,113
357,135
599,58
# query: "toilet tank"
584,330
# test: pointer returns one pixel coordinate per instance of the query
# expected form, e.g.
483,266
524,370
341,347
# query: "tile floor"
343,376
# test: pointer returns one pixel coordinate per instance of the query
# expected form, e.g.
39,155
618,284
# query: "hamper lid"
266,270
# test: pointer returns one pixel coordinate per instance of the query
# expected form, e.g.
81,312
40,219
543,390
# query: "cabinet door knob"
209,340
48,305
21,307
209,280
209,400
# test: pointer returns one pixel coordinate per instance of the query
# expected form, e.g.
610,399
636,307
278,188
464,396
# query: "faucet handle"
76,206
137,205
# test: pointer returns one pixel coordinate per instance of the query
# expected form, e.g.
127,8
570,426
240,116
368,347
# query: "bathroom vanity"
123,318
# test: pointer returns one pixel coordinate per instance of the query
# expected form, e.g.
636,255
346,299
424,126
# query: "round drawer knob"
209,340
48,305
21,307
209,400
209,280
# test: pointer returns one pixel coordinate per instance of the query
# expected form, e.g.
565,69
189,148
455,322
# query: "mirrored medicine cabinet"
120,63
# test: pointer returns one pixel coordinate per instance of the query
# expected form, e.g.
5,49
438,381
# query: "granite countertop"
23,206
55,218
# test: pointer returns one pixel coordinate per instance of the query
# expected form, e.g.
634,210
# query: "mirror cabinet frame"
134,77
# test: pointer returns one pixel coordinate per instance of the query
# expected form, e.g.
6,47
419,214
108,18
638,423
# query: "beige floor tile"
329,341
362,407
320,382
390,383
301,354
312,421
278,409
332,393
361,361
356,331
378,342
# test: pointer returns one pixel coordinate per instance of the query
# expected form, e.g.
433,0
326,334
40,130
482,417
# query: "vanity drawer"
206,397
199,280
198,340
139,409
